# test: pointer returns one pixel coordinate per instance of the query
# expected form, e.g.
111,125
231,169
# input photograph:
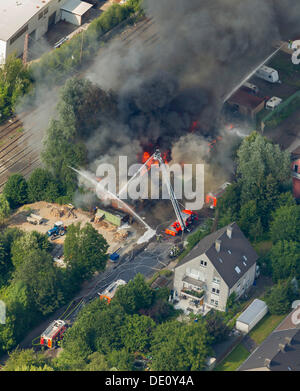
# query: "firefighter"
290,44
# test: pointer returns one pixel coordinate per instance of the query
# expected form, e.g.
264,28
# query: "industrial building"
246,104
32,18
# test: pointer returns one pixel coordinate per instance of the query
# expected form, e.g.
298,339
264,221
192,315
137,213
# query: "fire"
193,126
212,143
146,156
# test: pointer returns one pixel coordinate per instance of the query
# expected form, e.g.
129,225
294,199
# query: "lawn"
264,328
234,359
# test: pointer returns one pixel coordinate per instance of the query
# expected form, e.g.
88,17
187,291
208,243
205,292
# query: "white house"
32,17
220,264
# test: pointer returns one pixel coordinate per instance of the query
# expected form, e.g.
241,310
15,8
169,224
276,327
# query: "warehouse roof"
242,98
76,7
254,309
236,255
15,14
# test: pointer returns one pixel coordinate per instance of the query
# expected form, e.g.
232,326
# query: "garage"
251,316
74,11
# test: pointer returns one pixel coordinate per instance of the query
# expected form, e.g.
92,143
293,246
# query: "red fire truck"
52,336
188,217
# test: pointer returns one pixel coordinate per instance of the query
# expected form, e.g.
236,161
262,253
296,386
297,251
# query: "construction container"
251,316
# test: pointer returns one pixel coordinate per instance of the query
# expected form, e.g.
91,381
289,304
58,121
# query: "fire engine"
52,336
188,218
211,199
110,291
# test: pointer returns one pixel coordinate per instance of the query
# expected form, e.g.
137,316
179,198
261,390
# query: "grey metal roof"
231,255
270,350
76,7
250,313
287,334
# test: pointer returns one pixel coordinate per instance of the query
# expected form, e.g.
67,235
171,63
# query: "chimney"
229,231
288,340
282,347
267,363
218,245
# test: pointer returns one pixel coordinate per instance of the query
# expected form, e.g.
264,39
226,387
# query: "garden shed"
251,316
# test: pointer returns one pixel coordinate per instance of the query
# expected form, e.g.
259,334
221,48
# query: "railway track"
19,149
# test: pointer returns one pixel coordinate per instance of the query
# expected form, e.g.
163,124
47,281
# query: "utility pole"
25,52
81,46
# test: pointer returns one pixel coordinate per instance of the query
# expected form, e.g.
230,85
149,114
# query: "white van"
268,74
272,103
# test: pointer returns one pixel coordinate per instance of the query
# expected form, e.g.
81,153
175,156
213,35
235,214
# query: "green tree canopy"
257,158
85,251
15,190
280,297
135,295
285,259
136,332
42,186
4,208
286,224
180,346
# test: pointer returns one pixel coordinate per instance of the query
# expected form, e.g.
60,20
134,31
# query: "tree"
285,258
216,326
27,242
27,360
135,295
4,208
15,190
15,80
249,217
97,362
136,332
257,158
122,360
286,224
180,346
280,297
5,263
42,186
43,281
85,251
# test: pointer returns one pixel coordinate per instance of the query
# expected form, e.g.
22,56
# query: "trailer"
272,103
268,74
34,219
54,333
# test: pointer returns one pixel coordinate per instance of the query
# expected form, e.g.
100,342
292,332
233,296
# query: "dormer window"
245,258
229,252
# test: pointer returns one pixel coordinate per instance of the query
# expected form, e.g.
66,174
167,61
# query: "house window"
245,258
46,11
216,303
40,16
229,252
221,260
215,291
212,301
296,168
203,263
216,280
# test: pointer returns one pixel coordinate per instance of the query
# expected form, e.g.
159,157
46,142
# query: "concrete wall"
245,282
37,26
2,52
71,18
